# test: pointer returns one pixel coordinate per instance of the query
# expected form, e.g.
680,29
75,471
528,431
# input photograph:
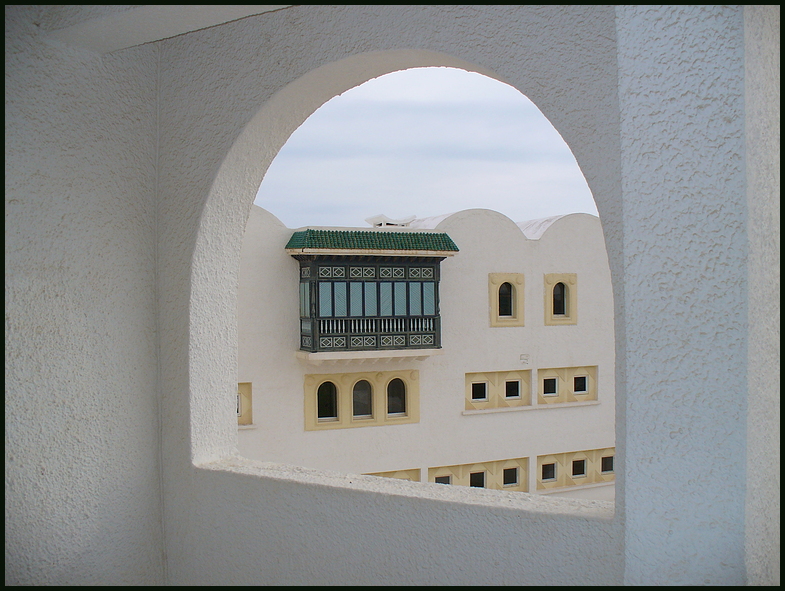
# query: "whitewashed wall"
124,219
82,428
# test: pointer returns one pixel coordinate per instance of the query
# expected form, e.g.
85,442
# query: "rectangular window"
355,298
400,298
429,299
510,476
477,479
549,387
370,298
579,467
385,299
606,464
340,300
480,391
580,385
305,300
512,389
325,299
415,298
549,471
443,479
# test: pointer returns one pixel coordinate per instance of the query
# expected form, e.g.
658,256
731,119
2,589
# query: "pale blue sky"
423,142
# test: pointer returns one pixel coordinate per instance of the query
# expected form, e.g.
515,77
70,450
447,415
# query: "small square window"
579,467
512,389
580,385
606,464
549,387
510,476
477,479
480,391
549,471
443,479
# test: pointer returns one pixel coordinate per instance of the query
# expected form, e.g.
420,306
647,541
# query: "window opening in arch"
327,402
362,399
559,299
506,297
396,397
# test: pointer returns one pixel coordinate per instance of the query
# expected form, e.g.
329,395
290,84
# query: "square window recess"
549,387
480,391
477,479
510,476
549,471
606,464
579,467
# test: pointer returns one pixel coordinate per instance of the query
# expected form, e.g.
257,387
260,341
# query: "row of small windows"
578,468
340,299
587,467
362,400
507,298
505,389
512,389
510,477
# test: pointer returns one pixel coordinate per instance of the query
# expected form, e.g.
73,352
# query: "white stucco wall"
489,242
128,182
82,424
762,117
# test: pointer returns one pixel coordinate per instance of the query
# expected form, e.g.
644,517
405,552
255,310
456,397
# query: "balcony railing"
364,334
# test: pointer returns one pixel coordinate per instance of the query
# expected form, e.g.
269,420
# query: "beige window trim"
570,281
565,380
495,281
494,473
496,389
244,404
563,461
345,382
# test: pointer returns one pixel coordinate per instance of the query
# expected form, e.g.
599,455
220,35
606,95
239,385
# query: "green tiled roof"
371,240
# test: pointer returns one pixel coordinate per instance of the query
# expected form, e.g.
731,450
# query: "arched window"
396,397
506,297
560,299
327,402
362,399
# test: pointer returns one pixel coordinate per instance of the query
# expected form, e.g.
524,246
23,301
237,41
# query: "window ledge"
485,411
248,427
369,356
561,489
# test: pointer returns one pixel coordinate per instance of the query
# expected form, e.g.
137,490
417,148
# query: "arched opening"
275,120
396,397
362,399
506,299
560,299
352,306
327,402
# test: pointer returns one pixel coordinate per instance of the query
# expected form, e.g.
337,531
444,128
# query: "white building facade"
509,390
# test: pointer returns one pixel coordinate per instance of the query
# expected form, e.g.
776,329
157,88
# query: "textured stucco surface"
81,431
129,178
762,80
685,291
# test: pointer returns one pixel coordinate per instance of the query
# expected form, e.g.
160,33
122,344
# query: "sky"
423,142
